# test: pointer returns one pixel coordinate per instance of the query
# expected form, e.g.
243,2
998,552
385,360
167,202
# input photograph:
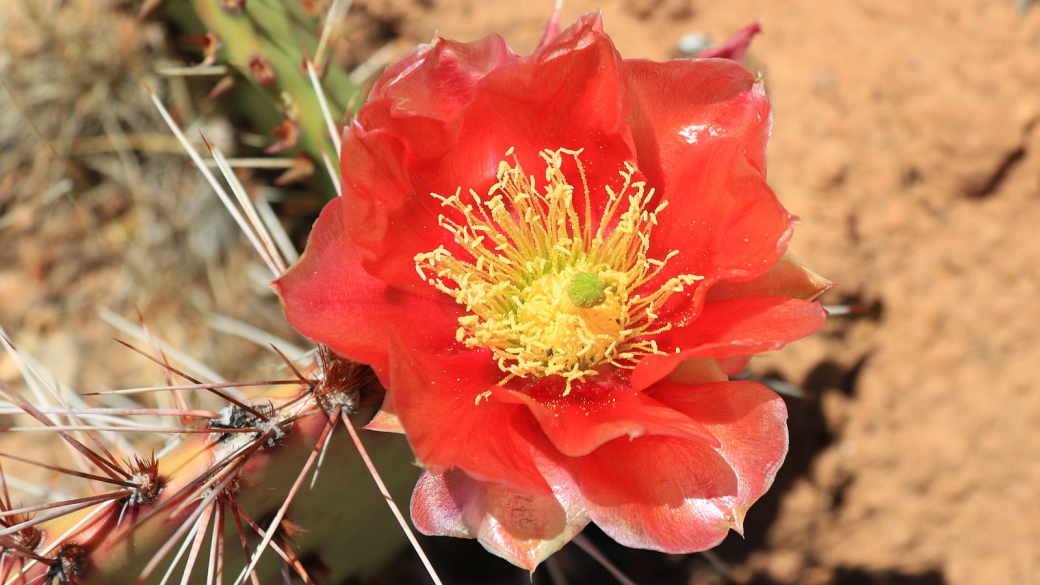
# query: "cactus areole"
553,263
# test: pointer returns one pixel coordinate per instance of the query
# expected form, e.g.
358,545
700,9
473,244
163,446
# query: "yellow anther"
548,290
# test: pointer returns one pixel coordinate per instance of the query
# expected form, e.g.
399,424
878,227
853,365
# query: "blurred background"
905,137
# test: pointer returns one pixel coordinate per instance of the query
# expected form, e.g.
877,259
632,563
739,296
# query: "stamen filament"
545,289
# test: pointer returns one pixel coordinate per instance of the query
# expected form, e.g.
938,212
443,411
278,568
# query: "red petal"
438,79
660,493
787,278
384,210
386,420
565,95
750,421
520,527
700,129
330,299
680,106
449,423
734,47
733,366
552,28
410,120
440,503
722,217
592,415
699,371
679,496
731,328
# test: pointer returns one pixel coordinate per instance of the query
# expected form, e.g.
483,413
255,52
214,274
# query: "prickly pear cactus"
266,45
235,489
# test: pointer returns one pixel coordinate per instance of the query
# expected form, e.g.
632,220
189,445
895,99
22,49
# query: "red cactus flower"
552,262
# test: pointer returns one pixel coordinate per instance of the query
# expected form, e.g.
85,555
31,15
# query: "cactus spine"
200,510
265,43
189,512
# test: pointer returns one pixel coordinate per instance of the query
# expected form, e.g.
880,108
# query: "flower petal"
740,326
386,420
699,371
520,527
552,27
409,124
330,299
680,106
722,218
735,46
733,366
700,128
660,493
787,278
749,419
591,415
678,496
440,503
565,95
438,79
441,402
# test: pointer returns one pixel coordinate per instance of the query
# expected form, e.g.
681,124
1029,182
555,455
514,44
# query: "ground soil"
907,138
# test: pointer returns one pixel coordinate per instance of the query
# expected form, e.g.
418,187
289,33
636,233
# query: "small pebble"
692,43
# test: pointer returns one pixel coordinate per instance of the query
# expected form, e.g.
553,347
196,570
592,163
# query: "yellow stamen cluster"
548,290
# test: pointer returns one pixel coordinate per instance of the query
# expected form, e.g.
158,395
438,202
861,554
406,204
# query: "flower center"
548,290
586,290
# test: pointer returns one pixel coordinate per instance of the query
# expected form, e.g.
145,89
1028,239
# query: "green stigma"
586,290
